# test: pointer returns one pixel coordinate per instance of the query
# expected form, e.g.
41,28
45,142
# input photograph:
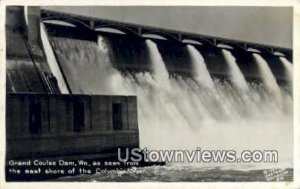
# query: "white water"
88,68
268,77
52,62
236,75
179,113
200,71
160,72
288,68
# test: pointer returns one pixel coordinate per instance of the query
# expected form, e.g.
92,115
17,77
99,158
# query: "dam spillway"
187,94
114,65
173,48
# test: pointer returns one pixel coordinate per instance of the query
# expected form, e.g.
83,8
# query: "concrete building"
47,125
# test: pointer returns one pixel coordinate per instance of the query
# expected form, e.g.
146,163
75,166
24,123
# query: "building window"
35,121
117,116
78,116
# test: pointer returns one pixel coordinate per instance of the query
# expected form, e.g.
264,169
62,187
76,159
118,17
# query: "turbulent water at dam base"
182,113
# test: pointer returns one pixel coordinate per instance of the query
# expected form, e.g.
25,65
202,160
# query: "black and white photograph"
149,93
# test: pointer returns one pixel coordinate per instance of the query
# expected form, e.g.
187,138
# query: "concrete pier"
27,67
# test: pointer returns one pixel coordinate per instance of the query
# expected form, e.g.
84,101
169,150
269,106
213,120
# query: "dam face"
157,71
175,55
212,92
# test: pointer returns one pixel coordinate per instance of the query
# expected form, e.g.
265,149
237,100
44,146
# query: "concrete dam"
173,48
190,89
128,52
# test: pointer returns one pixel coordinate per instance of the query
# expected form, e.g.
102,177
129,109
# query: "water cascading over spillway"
200,71
236,75
241,91
268,77
160,72
53,62
288,67
86,65
179,112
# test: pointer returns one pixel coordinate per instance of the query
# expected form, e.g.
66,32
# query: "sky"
266,25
